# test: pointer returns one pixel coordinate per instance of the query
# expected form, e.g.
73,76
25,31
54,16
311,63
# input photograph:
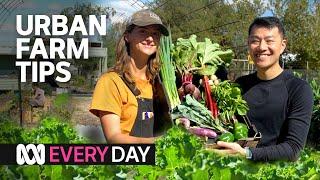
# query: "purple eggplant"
203,132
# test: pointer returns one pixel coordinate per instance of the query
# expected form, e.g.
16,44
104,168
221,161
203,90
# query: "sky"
124,9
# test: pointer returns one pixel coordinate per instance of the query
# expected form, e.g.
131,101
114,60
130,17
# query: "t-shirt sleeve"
106,97
296,129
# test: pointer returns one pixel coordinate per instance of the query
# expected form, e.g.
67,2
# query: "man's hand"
230,148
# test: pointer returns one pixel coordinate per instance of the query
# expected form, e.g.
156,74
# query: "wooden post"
307,73
20,98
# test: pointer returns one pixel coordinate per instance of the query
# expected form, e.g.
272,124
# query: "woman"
123,96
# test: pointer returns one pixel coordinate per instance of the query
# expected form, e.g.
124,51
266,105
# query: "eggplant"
203,132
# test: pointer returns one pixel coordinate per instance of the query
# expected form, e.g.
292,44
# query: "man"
280,104
38,98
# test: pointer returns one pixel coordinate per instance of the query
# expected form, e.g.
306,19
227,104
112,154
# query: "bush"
62,107
314,135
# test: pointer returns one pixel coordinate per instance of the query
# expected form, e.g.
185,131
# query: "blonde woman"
123,97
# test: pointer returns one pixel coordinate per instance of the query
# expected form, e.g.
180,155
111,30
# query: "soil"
81,114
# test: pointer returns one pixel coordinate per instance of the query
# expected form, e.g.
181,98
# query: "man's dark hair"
268,22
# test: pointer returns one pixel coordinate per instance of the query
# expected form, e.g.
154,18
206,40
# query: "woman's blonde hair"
123,59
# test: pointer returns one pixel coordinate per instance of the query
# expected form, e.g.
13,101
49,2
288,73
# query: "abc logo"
22,154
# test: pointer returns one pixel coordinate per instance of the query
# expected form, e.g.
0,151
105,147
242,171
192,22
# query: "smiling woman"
123,97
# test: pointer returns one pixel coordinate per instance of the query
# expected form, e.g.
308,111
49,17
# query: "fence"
241,67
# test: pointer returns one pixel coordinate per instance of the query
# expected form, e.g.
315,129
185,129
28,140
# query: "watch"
248,153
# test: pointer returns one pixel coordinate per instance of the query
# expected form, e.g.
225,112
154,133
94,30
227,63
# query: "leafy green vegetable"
230,101
198,113
179,155
240,131
200,57
226,137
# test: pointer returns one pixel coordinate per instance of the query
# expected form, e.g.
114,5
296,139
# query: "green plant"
62,107
179,155
230,101
314,136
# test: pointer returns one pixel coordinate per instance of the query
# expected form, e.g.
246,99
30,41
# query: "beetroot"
189,88
196,94
181,93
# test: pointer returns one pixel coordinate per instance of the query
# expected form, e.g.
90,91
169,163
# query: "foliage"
179,155
221,21
198,113
302,23
230,101
192,56
51,130
314,136
79,81
85,9
62,107
114,33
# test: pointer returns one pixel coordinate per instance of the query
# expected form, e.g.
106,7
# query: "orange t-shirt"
112,94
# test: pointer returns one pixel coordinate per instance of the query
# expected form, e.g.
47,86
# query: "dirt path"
81,114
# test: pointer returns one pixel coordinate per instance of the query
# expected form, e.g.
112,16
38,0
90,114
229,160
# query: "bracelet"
248,153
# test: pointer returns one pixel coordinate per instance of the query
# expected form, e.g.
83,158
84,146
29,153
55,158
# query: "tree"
86,66
222,22
110,40
301,19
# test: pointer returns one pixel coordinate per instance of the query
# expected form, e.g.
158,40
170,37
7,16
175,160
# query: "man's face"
265,47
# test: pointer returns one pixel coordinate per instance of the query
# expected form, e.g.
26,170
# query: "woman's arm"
111,128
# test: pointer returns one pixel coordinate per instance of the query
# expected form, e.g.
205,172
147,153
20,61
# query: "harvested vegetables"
229,101
203,58
226,137
240,131
188,88
203,132
198,113
167,72
191,56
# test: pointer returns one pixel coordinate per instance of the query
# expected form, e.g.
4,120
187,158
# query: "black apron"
153,117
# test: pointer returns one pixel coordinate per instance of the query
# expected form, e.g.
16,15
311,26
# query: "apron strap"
136,92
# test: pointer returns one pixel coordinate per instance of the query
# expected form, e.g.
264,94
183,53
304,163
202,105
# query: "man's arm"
111,128
296,129
295,132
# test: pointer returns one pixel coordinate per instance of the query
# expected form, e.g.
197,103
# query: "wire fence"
241,67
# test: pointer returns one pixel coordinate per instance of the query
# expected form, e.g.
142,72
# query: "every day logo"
80,154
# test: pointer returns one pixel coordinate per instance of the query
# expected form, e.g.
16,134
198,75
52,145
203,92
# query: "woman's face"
143,40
